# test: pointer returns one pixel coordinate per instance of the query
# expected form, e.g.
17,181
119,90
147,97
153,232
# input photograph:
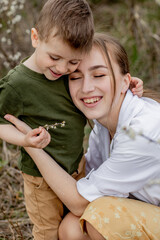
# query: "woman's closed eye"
75,78
99,75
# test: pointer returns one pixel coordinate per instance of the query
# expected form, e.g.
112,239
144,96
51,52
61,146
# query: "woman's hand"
37,138
136,86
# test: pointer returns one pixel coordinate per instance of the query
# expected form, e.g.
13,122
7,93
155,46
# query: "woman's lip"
55,74
91,101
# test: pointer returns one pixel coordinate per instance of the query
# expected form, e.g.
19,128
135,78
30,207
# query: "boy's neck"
31,63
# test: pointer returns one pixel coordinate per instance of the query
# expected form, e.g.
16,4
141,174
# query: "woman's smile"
91,101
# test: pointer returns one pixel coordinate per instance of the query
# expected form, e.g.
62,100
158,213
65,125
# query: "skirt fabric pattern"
122,218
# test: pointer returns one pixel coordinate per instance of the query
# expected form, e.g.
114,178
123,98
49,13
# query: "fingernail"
7,117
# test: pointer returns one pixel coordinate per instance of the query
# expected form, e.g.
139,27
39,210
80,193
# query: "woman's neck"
111,120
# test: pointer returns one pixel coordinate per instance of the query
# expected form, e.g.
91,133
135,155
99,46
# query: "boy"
63,32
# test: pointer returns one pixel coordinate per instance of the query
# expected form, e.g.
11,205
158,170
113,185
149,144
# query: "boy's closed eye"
54,58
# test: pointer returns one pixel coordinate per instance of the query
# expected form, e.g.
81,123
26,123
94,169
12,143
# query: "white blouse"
125,165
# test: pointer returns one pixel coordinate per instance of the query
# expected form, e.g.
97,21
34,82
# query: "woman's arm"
58,179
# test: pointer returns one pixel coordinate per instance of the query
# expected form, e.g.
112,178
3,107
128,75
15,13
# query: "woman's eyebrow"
97,66
92,68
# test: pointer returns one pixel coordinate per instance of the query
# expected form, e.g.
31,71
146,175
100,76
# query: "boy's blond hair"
72,19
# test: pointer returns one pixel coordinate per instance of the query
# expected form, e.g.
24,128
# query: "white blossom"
6,64
21,6
158,2
3,39
8,31
23,1
16,19
28,31
5,2
1,56
9,42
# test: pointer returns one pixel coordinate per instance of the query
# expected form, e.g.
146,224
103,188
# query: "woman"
119,167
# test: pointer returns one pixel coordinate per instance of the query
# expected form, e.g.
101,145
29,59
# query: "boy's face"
54,57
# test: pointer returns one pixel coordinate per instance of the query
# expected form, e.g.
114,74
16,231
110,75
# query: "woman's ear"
34,37
126,82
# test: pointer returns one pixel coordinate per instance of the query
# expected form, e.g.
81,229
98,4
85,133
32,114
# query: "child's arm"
56,177
136,86
38,137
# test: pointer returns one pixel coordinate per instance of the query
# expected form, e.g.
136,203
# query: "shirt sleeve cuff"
88,190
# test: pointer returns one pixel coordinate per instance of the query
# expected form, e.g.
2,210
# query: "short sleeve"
10,102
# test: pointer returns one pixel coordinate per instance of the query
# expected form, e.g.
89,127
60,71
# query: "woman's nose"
88,85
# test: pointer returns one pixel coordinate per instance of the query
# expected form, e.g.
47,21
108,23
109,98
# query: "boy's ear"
126,83
34,37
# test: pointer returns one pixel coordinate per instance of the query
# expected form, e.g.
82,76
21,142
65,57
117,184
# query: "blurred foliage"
134,22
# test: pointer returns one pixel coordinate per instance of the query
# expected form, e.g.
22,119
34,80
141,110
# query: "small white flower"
9,13
119,209
10,57
6,64
14,3
117,215
1,56
1,25
138,234
155,220
21,6
13,8
143,214
5,2
158,2
133,227
106,220
3,39
93,217
9,42
8,31
16,56
16,19
28,31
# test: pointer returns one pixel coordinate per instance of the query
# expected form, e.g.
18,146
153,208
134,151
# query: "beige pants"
43,206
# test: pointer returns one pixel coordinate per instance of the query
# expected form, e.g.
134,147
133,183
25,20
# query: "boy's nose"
62,68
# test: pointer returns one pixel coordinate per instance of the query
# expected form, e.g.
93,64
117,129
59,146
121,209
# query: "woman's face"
91,85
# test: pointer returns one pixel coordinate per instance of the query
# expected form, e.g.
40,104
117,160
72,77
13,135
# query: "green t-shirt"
34,99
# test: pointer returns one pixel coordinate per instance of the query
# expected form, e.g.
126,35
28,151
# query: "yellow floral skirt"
122,218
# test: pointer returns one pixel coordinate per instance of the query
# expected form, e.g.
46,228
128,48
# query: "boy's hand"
37,138
136,86
20,125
